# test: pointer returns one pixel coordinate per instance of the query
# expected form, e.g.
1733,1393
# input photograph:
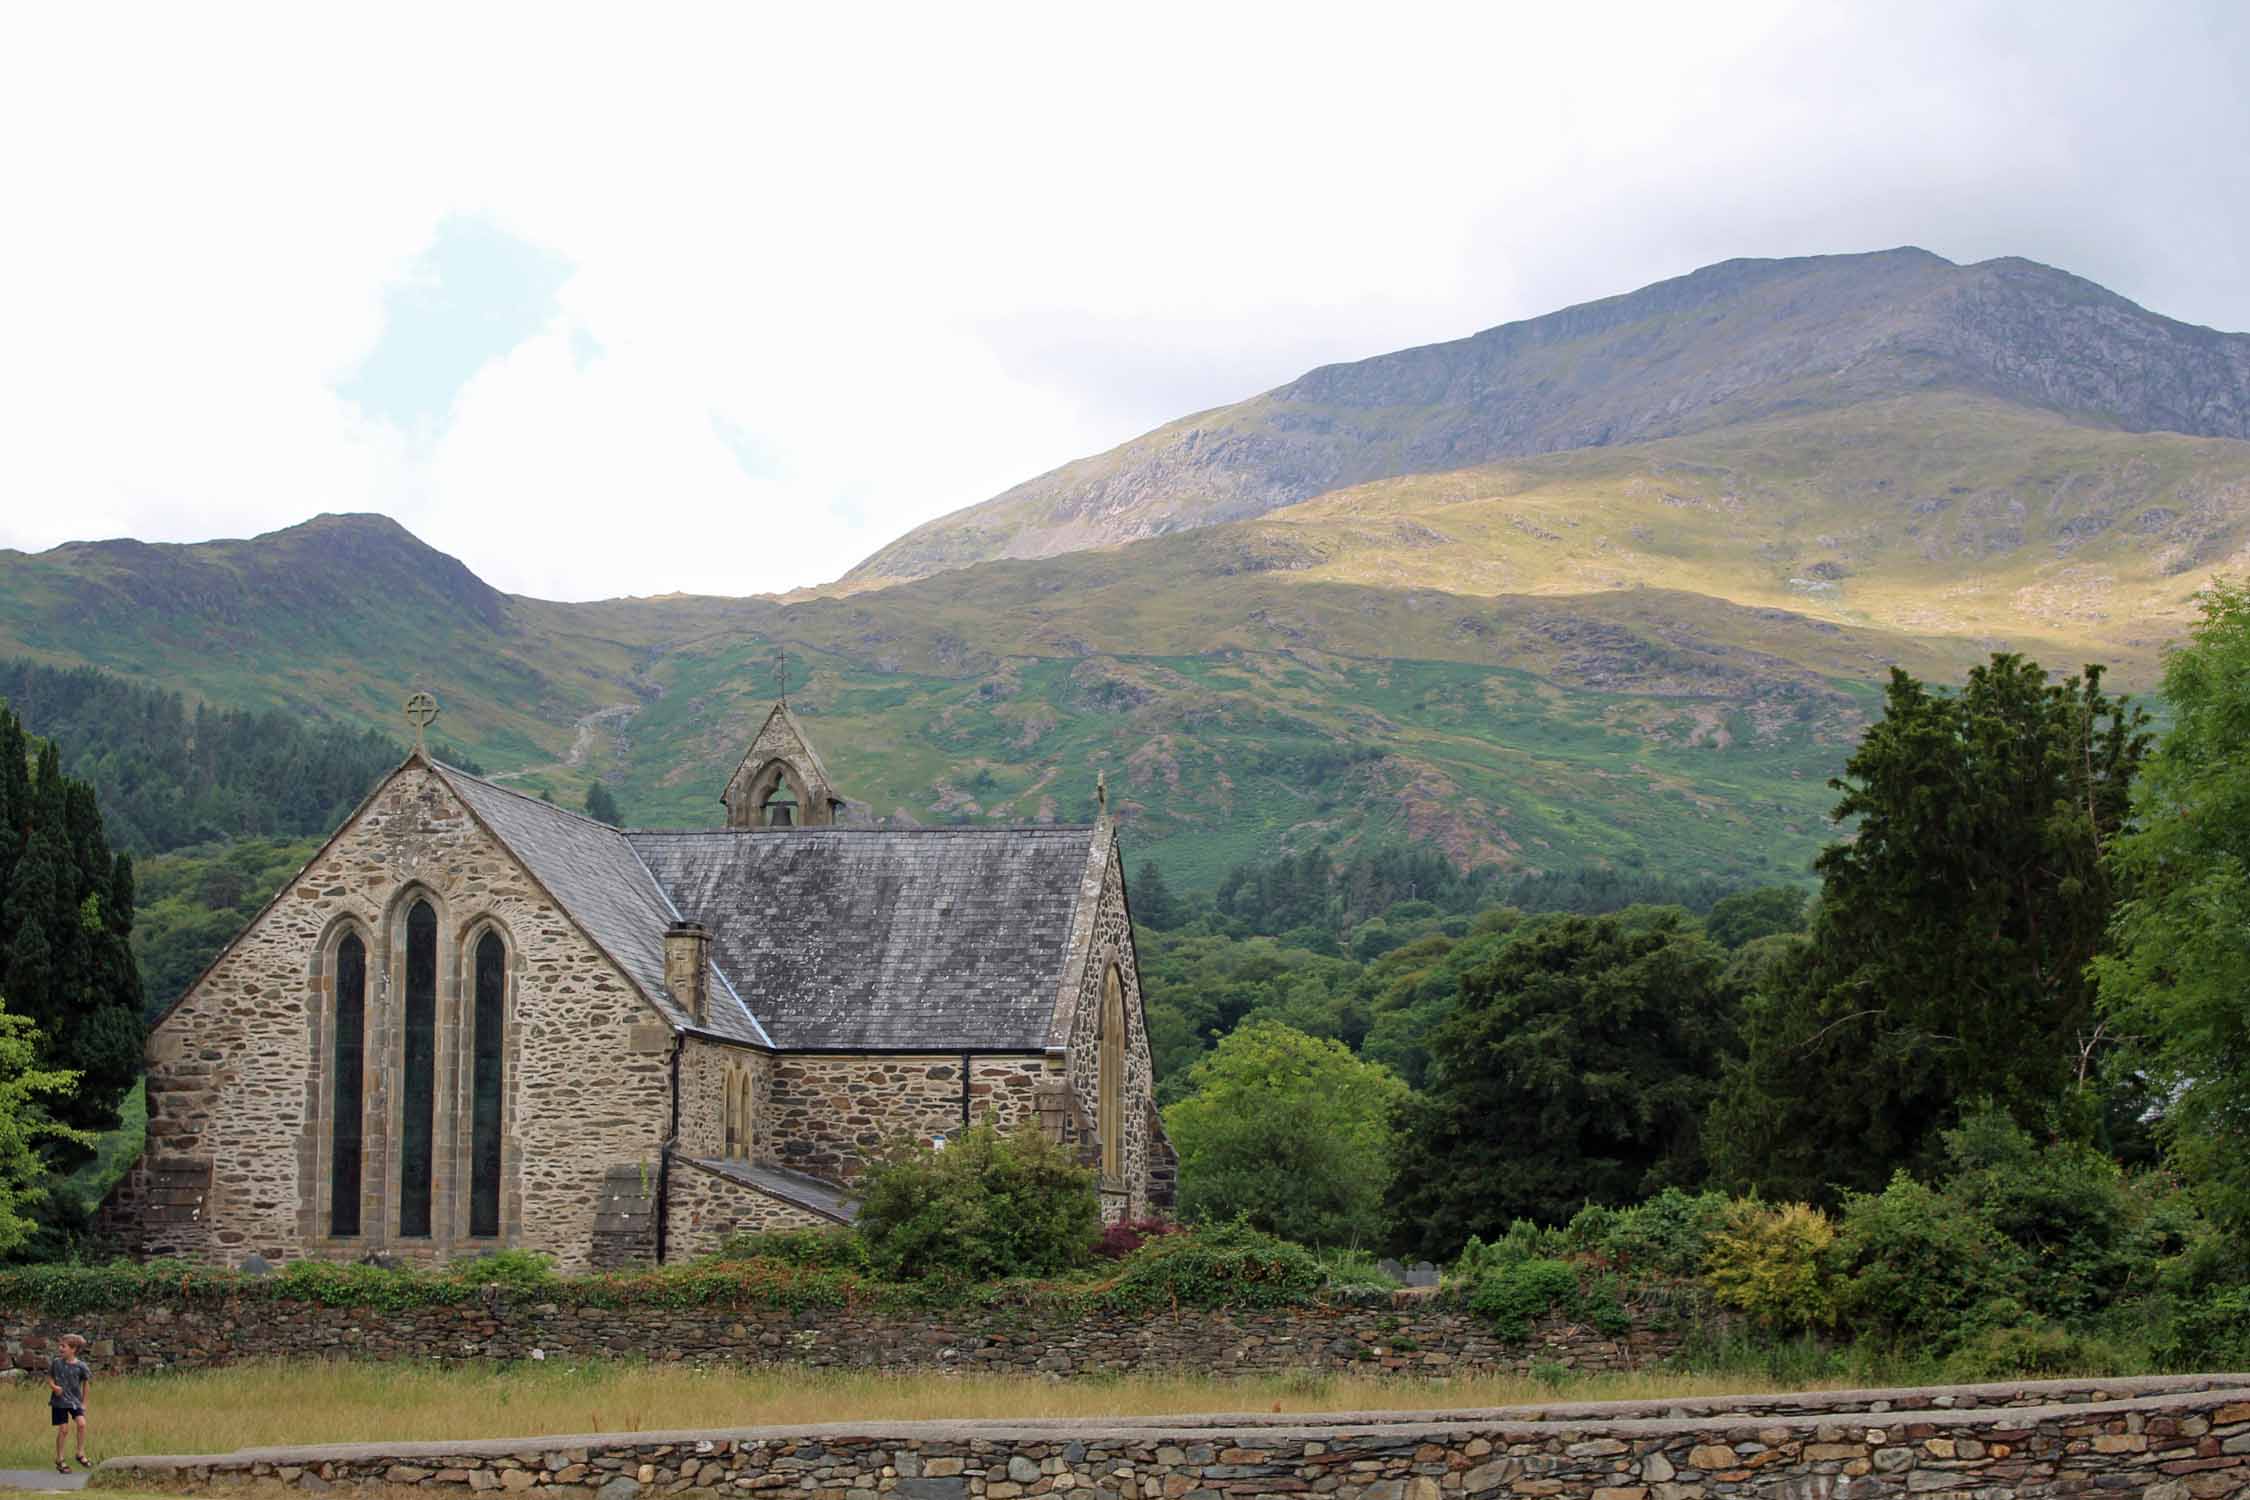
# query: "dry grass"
257,1405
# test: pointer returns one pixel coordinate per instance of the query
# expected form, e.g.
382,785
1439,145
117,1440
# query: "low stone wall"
2178,1439
1414,1337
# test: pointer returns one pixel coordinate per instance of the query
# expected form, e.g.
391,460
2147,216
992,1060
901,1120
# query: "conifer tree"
602,807
66,921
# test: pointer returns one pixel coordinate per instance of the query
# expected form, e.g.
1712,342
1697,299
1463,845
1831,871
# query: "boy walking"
67,1377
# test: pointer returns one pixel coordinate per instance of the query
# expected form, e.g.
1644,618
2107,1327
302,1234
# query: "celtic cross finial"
781,673
421,712
1101,791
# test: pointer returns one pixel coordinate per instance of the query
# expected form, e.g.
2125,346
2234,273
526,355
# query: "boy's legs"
78,1424
62,1433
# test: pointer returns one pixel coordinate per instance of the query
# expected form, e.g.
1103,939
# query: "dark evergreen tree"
602,807
1575,1067
1154,905
66,907
1948,959
169,777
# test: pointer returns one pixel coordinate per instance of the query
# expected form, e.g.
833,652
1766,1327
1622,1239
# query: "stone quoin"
477,1021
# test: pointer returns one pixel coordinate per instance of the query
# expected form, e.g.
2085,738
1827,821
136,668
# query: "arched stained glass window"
485,1092
347,1077
418,1091
1112,1102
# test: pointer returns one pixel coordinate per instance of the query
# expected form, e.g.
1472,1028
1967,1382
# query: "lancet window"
1111,1122
347,1085
486,1092
418,1074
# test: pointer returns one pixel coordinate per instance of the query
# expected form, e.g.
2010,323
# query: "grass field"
257,1405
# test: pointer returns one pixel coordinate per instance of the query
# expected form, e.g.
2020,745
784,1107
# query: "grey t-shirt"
71,1375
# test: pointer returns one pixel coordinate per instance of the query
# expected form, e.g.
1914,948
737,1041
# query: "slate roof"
939,939
951,939
601,885
790,1187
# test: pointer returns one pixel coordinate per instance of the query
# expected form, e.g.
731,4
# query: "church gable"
358,1069
781,782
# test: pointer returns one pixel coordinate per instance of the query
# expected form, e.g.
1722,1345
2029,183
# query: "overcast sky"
633,299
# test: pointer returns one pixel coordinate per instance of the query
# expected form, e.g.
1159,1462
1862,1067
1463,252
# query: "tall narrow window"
418,1094
485,1091
1112,1102
348,1075
730,1126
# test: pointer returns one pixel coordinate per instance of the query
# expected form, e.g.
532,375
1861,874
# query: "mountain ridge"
1799,334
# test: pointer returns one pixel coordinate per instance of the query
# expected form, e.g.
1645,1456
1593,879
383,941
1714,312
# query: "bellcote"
781,782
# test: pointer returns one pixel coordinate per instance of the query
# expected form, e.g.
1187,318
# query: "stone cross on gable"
421,712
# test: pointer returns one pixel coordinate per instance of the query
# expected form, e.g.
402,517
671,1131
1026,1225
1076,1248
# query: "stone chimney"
687,968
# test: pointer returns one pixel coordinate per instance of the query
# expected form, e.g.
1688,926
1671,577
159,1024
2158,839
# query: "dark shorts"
58,1415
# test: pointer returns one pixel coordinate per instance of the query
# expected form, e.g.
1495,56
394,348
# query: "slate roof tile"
949,939
945,939
602,886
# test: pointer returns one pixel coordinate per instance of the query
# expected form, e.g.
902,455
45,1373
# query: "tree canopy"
1290,1132
2177,978
1575,1067
66,923
1948,959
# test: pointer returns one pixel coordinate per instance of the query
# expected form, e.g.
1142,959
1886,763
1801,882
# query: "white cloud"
903,257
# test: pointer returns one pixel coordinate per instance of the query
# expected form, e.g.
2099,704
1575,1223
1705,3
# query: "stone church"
475,1020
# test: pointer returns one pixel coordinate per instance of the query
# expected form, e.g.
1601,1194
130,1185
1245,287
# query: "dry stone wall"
237,1081
2151,1440
1417,1339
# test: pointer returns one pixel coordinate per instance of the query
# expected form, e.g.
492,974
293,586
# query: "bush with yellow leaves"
1772,1263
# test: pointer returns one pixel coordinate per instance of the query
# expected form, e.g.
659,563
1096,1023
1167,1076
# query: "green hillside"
1234,712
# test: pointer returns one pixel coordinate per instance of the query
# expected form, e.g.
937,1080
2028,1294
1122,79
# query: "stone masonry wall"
2152,1440
1112,942
702,1207
1412,1339
828,1115
237,1074
704,1069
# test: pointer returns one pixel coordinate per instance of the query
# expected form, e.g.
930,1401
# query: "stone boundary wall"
1416,1337
2185,1438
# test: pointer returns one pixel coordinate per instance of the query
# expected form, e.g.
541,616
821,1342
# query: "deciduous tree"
1290,1132
2177,976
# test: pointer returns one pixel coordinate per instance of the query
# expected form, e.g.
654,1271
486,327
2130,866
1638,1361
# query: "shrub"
1219,1266
2034,1353
985,1207
2211,1332
1668,1235
1122,1238
1916,1264
819,1249
1772,1264
2087,1235
1510,1296
522,1273
1523,1241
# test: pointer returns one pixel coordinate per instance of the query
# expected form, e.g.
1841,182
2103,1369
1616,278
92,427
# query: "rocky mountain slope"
1743,341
